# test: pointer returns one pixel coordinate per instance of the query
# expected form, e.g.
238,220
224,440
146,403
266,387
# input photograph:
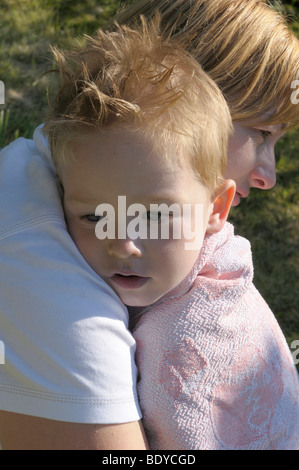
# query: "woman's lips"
238,196
129,281
236,200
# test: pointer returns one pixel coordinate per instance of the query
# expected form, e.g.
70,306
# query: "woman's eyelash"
265,133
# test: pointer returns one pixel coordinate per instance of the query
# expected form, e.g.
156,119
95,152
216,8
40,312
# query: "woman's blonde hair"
244,45
138,79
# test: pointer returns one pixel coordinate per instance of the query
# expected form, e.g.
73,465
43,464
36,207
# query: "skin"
21,432
251,158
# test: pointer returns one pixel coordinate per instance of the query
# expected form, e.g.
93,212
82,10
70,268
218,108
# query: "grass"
27,28
269,219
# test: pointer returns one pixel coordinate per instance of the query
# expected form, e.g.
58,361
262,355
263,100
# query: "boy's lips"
129,281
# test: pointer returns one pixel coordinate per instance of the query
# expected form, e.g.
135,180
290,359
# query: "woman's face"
251,158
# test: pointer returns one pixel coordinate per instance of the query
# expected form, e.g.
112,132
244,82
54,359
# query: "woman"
247,48
49,388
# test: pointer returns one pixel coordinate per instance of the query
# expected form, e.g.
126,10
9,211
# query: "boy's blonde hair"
244,45
140,80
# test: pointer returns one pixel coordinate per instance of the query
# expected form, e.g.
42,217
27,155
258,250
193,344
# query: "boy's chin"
135,303
139,303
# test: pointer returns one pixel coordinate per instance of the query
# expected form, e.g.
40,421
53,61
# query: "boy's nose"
124,248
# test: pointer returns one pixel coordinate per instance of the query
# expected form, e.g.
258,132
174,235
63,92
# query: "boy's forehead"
137,145
109,165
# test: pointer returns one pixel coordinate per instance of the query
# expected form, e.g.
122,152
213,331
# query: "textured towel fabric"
215,369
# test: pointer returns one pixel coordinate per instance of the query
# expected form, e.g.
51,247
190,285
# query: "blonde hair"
143,81
244,45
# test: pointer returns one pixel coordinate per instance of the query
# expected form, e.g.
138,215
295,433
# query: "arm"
21,432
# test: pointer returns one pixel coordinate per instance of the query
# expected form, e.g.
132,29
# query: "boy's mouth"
129,281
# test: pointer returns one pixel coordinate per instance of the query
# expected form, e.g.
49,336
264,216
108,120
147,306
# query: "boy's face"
122,163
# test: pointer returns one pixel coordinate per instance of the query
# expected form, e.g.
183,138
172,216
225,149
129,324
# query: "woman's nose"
124,248
263,176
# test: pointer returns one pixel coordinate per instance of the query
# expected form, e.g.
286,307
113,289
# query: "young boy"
139,128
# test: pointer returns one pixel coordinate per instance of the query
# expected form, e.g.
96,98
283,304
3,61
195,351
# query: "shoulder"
28,183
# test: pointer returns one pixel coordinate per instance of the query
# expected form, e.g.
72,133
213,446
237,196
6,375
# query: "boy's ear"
222,199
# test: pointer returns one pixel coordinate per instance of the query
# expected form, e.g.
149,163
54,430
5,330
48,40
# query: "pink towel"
215,369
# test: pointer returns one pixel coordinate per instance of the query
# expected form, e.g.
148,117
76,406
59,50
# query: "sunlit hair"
244,45
137,79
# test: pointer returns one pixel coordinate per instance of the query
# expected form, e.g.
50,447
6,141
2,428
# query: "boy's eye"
151,215
158,216
92,218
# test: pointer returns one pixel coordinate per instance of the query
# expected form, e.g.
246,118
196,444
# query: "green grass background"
269,219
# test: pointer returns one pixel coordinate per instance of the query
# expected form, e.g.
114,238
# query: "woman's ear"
222,199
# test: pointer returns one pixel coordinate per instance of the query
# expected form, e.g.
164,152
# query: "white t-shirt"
65,349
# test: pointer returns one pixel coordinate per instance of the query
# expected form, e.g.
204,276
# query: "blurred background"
269,219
